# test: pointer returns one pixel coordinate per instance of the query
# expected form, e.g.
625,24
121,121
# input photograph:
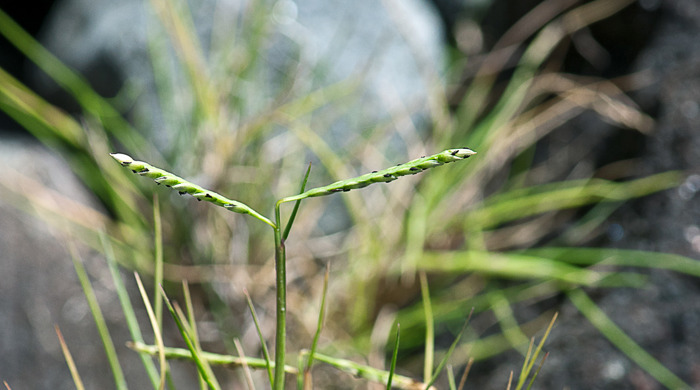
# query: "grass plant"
498,233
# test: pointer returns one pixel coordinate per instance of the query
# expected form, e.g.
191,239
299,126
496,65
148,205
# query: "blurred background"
581,199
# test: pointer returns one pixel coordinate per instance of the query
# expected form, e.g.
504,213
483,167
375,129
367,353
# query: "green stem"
281,280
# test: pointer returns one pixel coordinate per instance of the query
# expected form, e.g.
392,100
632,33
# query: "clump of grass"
183,186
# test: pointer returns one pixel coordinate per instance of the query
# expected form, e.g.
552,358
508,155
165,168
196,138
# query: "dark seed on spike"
181,192
199,200
346,189
167,186
414,169
455,152
387,175
133,171
208,196
144,170
374,171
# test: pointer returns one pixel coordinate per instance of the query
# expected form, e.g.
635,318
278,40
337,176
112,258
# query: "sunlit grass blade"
110,351
202,365
246,369
192,323
429,347
386,175
449,352
619,257
157,333
293,215
534,376
74,84
69,361
623,342
530,201
158,268
263,344
183,186
531,358
394,358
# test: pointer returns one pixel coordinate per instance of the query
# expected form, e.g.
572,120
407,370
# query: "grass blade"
321,317
119,380
429,328
69,360
468,368
127,308
202,365
266,353
623,342
394,358
296,205
443,362
157,334
158,272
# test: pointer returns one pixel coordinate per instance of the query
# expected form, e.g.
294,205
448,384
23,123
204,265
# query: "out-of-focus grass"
468,227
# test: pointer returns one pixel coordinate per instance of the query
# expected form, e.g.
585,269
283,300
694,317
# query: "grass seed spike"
386,175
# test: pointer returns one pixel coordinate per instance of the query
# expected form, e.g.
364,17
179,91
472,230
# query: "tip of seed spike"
122,158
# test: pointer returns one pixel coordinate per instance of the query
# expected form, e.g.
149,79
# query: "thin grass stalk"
451,378
429,359
7,386
263,344
246,369
534,376
463,380
129,314
157,334
110,351
192,324
451,350
69,361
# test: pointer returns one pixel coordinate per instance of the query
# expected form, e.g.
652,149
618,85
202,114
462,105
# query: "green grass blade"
526,202
623,342
201,364
185,187
321,318
429,348
619,257
74,84
129,314
192,324
534,376
211,358
266,353
117,373
158,272
531,358
69,361
449,352
157,333
288,227
246,369
386,175
394,358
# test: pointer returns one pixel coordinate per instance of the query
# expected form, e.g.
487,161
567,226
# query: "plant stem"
281,280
